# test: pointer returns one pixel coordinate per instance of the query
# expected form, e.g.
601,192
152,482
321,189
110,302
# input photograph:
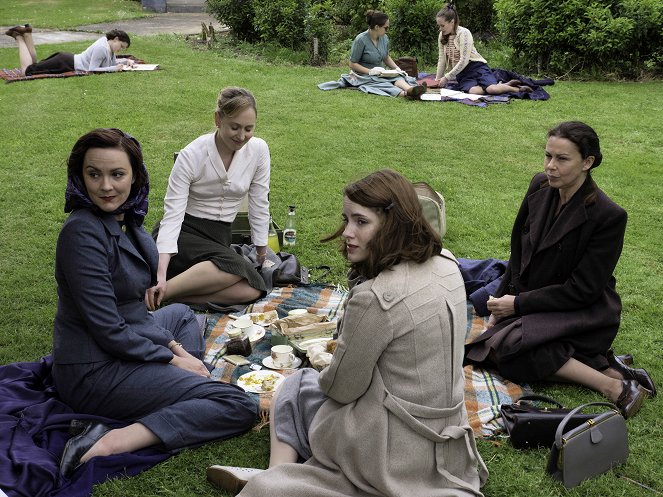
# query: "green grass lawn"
480,159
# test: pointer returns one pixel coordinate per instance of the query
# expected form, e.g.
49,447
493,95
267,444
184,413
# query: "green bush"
619,37
477,16
281,21
352,14
237,15
413,30
319,29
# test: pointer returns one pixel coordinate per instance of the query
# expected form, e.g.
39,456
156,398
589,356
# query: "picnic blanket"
484,390
14,75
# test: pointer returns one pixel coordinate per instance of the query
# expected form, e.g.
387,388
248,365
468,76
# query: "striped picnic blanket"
484,390
13,75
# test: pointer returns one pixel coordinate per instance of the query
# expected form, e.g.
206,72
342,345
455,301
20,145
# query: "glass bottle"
290,228
238,344
273,237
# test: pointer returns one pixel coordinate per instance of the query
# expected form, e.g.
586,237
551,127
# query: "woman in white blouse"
209,179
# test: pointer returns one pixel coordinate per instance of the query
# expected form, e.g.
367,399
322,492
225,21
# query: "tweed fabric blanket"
484,390
14,75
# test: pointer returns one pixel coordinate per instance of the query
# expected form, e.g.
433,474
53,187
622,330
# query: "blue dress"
365,53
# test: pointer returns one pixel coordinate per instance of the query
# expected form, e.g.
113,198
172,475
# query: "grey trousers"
181,408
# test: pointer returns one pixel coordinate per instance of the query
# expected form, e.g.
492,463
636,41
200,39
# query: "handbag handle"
562,424
540,397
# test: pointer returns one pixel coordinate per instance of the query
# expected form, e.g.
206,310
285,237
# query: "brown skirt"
207,240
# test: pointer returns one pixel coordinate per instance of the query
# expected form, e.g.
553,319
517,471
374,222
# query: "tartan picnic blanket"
14,75
485,391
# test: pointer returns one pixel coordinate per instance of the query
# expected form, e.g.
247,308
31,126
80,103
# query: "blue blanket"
34,427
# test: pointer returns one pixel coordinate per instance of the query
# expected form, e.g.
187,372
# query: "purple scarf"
76,197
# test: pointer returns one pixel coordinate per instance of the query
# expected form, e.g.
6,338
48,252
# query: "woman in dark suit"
112,357
556,312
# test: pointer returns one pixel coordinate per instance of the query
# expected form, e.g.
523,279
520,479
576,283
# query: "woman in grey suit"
556,313
112,357
387,416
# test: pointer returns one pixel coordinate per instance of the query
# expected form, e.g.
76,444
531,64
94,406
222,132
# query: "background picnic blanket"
484,390
14,75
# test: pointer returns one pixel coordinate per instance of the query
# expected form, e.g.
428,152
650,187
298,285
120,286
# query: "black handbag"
590,449
530,426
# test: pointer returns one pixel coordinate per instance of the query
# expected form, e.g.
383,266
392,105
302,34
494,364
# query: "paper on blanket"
141,67
305,324
453,94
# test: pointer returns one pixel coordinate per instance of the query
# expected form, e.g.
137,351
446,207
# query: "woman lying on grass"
387,416
98,57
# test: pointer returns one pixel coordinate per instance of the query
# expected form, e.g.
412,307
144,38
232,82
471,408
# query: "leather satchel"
530,426
590,449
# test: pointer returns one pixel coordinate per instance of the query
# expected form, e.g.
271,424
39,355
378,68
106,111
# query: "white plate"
252,382
268,362
258,333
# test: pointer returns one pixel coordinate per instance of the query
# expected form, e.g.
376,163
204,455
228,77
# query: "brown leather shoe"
631,398
639,375
19,30
415,92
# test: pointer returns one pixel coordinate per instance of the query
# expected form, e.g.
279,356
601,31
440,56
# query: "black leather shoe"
625,358
77,446
631,398
639,375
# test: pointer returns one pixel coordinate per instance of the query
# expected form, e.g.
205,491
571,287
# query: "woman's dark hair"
109,138
234,100
405,233
118,33
449,14
582,136
376,18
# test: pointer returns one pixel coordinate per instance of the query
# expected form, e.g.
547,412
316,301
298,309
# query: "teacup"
245,325
282,356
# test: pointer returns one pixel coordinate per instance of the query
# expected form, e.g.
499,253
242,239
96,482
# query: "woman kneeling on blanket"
556,312
387,416
112,357
460,67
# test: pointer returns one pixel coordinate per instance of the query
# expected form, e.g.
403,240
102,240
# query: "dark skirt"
501,348
57,63
207,240
475,74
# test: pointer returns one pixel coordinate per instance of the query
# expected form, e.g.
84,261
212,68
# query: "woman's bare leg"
128,439
501,88
279,452
205,282
25,51
574,371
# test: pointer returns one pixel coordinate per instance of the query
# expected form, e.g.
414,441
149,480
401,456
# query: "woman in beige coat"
387,417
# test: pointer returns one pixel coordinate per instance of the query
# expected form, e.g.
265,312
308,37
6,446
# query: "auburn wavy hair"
405,234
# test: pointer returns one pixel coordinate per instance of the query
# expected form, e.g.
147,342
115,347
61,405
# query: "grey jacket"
102,278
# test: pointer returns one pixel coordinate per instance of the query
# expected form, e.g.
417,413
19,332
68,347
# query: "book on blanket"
141,67
456,95
390,73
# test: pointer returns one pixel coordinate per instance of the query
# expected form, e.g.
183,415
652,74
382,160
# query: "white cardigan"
200,186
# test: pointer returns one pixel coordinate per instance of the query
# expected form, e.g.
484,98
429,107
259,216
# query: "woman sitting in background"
211,176
98,57
460,67
387,416
111,357
556,313
370,52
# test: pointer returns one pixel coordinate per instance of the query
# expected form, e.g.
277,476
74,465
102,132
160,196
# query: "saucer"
268,362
